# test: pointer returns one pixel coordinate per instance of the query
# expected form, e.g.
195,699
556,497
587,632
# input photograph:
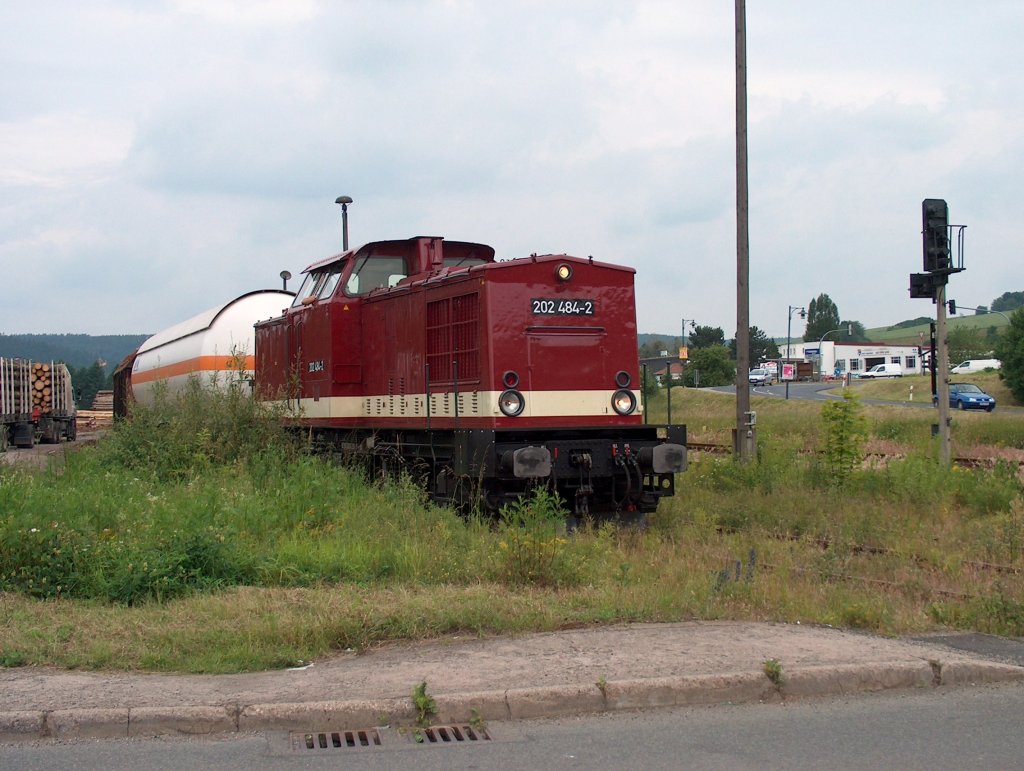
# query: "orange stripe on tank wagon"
196,365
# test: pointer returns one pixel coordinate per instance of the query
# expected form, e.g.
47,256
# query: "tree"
712,365
967,343
822,316
1010,351
856,332
762,347
653,348
86,381
981,310
705,337
1008,301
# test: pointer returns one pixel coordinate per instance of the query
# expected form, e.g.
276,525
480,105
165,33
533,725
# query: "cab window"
375,272
307,289
329,283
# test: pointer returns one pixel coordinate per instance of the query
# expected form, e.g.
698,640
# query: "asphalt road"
827,391
955,728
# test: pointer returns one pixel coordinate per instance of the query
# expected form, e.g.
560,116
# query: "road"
821,392
945,728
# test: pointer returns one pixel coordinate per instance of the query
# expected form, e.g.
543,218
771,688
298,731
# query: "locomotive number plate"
562,307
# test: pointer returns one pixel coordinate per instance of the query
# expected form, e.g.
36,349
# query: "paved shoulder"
568,672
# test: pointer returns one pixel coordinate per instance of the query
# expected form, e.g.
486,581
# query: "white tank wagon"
216,346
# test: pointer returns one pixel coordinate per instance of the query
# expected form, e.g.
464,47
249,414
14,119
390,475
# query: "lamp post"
789,335
684,353
849,331
344,200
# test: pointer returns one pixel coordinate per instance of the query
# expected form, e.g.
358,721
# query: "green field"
200,538
913,335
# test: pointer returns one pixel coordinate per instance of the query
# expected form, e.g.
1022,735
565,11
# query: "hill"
911,335
74,350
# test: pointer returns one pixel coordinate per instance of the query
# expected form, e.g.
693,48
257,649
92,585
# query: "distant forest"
74,350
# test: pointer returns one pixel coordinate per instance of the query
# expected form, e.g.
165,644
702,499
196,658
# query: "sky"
161,158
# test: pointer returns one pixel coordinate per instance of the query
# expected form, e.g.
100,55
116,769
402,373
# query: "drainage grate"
445,734
336,740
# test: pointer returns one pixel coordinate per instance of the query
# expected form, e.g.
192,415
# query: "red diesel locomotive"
482,378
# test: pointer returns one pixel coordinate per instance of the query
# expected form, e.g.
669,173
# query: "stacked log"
103,401
42,393
94,420
51,387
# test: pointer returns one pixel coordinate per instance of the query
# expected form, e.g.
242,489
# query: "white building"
841,358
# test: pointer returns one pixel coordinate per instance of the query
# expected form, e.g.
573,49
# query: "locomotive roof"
487,252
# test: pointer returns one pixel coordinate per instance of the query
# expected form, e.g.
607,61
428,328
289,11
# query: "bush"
183,434
1010,351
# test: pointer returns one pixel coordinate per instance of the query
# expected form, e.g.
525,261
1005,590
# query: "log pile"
51,384
101,415
94,420
103,401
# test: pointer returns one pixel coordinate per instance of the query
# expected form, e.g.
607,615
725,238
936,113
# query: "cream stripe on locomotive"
471,404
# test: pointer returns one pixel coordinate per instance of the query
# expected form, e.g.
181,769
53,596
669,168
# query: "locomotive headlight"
511,402
623,402
563,272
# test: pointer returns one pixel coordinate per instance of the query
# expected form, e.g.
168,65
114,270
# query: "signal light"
563,272
622,379
952,307
510,379
935,220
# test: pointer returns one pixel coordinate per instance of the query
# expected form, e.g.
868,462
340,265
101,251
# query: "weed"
602,685
11,659
773,671
533,548
424,704
845,430
476,720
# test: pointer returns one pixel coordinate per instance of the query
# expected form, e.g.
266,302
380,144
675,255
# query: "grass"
247,555
912,335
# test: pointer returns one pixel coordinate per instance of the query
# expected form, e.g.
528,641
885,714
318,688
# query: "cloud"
158,158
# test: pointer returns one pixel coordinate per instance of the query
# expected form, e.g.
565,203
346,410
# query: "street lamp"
344,200
789,335
849,331
979,311
789,326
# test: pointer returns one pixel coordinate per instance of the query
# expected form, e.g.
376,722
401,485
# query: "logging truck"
36,403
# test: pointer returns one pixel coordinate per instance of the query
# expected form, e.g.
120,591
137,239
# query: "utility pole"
942,367
745,444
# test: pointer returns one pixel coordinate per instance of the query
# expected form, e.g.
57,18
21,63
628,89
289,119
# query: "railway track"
962,461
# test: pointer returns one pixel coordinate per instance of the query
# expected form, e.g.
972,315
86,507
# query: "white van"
971,366
883,370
